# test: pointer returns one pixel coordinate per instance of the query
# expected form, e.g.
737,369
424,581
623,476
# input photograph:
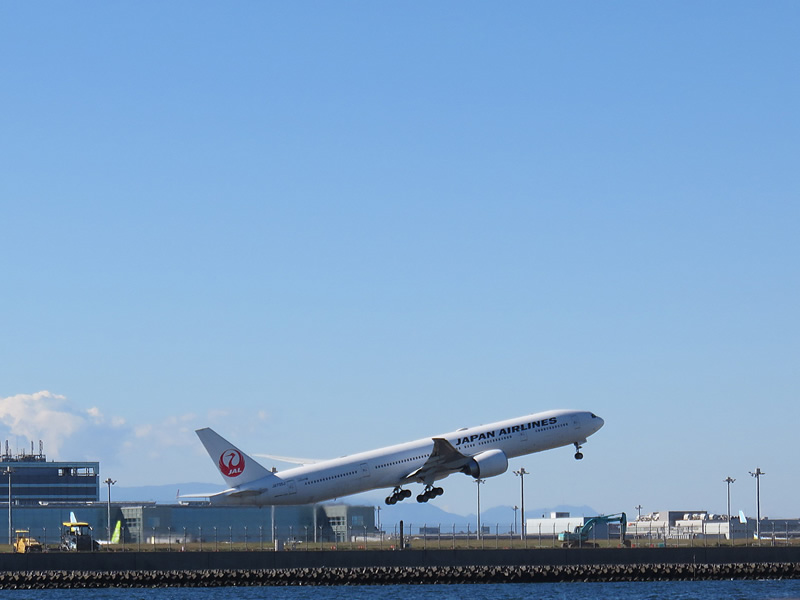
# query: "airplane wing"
443,461
290,459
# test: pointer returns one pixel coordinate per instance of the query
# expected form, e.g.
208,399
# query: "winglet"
236,467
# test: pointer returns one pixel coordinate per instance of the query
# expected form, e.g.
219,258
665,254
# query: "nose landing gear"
578,453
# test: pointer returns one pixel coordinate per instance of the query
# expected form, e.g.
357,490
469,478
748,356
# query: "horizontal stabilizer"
246,493
290,459
229,492
208,495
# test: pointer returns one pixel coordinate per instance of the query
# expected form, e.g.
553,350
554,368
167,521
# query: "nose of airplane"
597,422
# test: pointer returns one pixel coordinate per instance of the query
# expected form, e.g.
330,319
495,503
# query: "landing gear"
578,453
397,495
429,494
400,494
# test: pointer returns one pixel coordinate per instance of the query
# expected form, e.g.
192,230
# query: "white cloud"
142,431
216,414
41,416
170,432
160,451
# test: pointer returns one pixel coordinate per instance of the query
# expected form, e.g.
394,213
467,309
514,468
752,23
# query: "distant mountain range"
411,513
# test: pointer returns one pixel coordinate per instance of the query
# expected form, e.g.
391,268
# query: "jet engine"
487,464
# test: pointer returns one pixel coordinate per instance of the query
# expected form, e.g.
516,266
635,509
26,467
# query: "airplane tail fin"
116,535
236,467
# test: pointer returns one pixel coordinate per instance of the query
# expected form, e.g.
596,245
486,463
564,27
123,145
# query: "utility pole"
521,473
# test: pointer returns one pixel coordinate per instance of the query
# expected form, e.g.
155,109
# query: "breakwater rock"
395,575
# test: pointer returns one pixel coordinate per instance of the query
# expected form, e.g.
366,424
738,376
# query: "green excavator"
580,537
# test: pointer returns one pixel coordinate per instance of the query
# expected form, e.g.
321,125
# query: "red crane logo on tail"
231,463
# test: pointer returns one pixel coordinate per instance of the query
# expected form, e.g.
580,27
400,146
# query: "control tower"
34,480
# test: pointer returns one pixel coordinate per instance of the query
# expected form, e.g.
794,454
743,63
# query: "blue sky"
326,227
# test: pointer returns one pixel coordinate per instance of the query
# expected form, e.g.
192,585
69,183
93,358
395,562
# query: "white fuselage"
390,466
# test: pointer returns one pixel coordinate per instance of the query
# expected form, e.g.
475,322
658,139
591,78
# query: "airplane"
116,536
480,452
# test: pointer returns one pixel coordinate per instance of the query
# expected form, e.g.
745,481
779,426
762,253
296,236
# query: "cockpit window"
594,416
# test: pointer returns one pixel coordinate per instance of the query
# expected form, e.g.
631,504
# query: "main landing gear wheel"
578,453
397,495
429,494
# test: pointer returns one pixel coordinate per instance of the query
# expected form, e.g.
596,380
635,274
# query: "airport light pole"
109,482
8,471
638,508
515,508
479,482
757,474
521,474
729,481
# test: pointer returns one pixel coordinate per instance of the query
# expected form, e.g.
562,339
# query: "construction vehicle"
580,537
76,536
24,543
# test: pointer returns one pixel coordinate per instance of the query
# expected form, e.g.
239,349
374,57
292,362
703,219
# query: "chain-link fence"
229,537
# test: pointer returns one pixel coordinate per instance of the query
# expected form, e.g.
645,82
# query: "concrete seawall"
135,569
